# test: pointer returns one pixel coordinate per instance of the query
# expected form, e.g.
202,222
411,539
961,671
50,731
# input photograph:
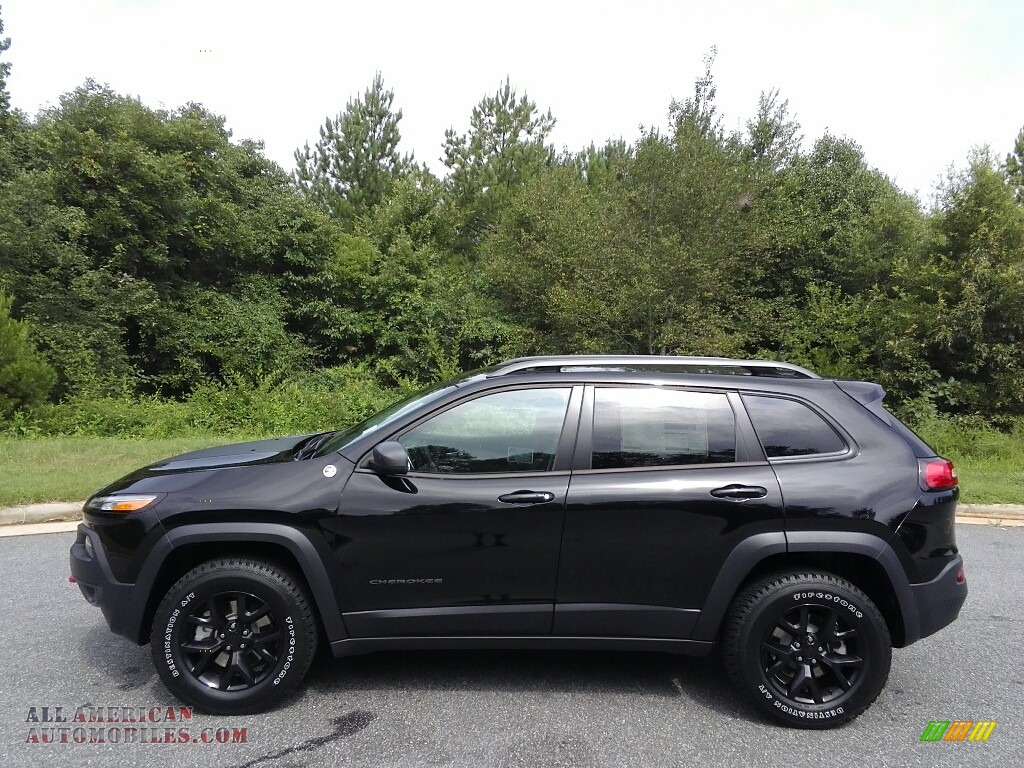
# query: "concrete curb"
72,510
41,513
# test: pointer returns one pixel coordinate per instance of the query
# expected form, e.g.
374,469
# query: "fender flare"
751,552
304,551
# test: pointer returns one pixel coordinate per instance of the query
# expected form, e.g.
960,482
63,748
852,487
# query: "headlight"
118,503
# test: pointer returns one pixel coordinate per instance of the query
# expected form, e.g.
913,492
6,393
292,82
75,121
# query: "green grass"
71,468
990,463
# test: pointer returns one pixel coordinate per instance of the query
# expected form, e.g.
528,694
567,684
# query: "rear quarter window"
790,428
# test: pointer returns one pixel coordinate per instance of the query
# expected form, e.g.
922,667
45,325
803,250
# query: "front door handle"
740,492
527,497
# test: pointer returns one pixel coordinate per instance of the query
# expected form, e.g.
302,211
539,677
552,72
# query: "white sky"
916,83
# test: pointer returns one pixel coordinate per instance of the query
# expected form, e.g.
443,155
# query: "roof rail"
671,363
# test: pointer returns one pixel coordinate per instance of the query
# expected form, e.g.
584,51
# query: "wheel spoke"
242,665
777,667
204,661
256,615
204,646
788,627
775,648
828,632
261,639
805,618
799,680
812,682
240,611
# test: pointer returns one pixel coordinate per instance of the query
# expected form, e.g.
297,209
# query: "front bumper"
939,601
121,606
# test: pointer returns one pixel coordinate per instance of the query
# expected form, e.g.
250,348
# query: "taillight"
938,474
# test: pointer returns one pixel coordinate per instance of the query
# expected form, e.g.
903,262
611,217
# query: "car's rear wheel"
810,649
233,635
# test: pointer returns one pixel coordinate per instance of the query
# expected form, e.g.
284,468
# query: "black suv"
636,503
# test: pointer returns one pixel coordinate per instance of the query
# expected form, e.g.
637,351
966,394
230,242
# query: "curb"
72,510
41,513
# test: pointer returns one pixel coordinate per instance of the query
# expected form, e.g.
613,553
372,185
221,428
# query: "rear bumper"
121,606
939,601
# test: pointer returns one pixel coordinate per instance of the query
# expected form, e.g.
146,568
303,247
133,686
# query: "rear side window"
789,428
654,427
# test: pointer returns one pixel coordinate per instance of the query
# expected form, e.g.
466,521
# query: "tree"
504,147
1015,166
356,161
139,235
25,377
5,72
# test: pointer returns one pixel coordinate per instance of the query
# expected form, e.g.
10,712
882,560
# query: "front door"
467,543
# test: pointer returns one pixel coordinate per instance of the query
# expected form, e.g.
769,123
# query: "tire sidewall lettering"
289,623
836,600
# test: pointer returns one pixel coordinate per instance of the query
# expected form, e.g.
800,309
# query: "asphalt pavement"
495,708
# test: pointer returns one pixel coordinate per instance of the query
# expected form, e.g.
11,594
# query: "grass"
990,463
71,468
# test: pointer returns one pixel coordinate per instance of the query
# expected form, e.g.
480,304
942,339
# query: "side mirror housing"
389,459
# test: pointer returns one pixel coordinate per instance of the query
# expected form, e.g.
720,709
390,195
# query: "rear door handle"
527,497
740,492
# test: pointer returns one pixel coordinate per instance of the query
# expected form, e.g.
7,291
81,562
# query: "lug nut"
229,647
798,658
820,649
796,645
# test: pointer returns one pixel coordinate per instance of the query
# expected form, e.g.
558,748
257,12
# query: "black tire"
233,636
809,648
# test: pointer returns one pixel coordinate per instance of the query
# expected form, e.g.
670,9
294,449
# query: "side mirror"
390,459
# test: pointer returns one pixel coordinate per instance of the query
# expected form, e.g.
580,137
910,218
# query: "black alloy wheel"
232,641
232,636
809,648
811,656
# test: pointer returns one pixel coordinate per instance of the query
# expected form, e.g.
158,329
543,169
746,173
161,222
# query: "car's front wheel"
233,635
809,648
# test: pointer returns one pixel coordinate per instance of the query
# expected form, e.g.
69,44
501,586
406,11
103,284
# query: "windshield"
344,437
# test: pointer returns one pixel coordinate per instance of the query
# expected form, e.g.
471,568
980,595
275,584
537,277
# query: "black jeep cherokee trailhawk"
637,503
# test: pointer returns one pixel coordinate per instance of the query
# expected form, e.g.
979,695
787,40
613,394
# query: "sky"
917,84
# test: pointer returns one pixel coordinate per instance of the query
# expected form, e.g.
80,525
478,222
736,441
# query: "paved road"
511,709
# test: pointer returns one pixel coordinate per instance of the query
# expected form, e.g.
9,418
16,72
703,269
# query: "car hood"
237,454
193,469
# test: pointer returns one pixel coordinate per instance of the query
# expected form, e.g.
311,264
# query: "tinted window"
504,432
789,428
647,427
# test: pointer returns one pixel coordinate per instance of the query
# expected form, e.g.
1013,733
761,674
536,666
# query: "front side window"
788,428
515,431
648,427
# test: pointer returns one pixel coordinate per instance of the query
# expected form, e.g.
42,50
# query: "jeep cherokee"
615,502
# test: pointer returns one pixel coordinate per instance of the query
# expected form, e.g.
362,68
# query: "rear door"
666,482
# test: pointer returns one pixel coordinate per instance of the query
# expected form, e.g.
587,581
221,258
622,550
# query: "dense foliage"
151,258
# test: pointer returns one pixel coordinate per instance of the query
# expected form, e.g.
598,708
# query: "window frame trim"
564,449
745,456
850,447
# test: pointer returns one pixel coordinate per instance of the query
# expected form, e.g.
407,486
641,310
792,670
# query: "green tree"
123,220
25,377
505,146
5,72
356,161
978,291
1015,166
